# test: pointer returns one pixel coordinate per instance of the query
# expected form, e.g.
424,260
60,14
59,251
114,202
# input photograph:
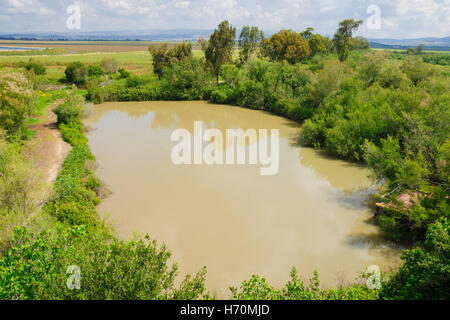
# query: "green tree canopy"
249,42
286,45
343,35
163,57
219,48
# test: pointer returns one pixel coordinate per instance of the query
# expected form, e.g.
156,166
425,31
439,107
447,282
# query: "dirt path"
51,149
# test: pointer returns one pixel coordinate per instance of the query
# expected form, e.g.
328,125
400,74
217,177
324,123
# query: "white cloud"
400,18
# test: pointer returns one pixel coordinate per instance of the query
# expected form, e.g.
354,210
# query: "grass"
136,62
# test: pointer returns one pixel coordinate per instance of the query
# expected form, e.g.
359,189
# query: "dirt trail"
51,150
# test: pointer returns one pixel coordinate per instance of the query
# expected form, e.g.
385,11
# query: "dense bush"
123,73
95,70
94,93
35,268
71,110
36,67
395,119
17,103
442,59
425,273
76,73
186,80
258,288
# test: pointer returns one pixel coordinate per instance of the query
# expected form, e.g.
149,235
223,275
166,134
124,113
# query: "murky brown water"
311,215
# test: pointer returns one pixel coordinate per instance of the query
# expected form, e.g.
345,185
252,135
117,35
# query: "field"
133,55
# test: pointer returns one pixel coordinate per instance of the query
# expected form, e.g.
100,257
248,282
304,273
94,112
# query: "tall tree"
308,33
249,42
343,35
219,48
163,57
286,45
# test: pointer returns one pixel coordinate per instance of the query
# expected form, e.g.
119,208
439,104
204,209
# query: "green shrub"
251,94
95,71
94,93
123,73
72,109
17,103
76,73
72,133
35,268
110,65
416,70
36,67
223,95
135,81
186,80
425,274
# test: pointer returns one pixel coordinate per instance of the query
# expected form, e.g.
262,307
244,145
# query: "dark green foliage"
35,268
95,70
442,59
258,288
219,48
76,73
135,81
425,273
123,73
343,37
186,80
36,67
94,93
163,57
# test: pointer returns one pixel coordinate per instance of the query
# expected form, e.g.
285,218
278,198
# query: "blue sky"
398,18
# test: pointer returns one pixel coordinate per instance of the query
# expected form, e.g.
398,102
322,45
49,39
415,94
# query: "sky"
383,18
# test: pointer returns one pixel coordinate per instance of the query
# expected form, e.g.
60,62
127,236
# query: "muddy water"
312,215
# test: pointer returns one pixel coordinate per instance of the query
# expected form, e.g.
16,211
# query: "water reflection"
312,215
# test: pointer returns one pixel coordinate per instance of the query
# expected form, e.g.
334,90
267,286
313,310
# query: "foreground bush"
258,288
426,272
71,110
17,103
35,268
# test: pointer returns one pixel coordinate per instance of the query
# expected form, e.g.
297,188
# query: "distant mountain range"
429,43
194,35
155,35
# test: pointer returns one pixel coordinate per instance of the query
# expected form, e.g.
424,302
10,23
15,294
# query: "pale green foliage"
249,43
17,102
21,187
110,65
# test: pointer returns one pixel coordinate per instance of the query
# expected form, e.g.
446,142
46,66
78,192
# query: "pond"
313,214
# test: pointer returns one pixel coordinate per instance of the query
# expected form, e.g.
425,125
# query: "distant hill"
155,35
429,43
